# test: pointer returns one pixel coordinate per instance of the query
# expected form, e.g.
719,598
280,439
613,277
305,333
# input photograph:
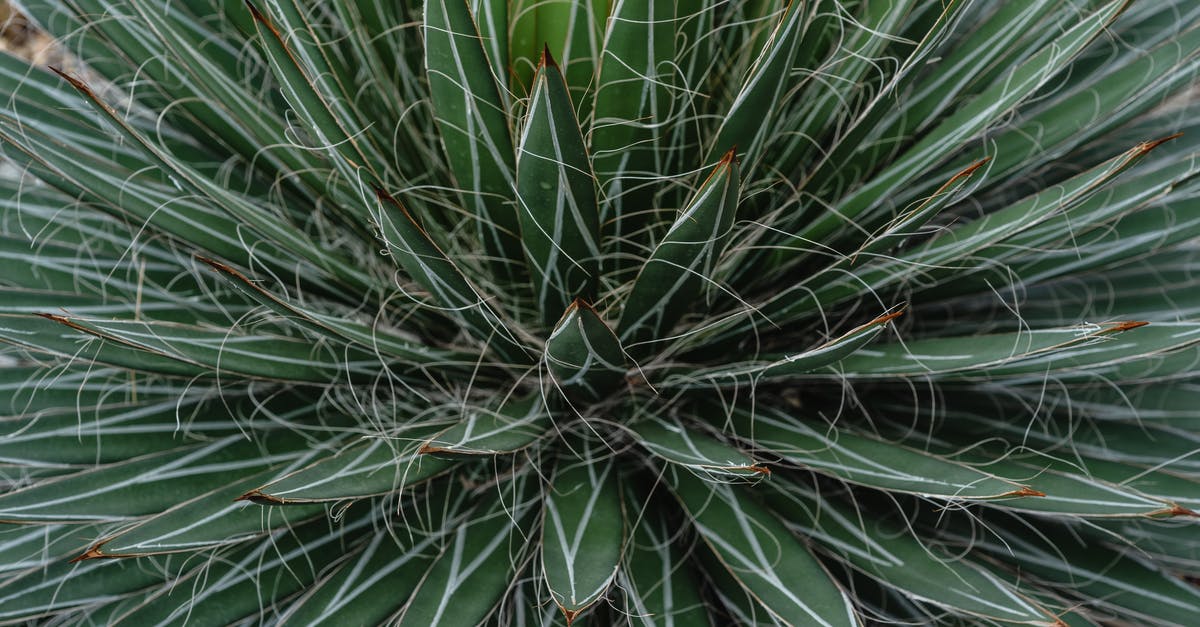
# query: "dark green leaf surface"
144,485
583,533
890,553
377,466
478,560
872,462
762,555
655,575
694,449
212,519
473,121
556,197
675,273
516,425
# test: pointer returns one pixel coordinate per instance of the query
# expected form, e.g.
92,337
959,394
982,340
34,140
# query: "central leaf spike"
584,355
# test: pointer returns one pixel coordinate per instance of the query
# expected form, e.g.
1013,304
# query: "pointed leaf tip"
260,498
1146,147
1118,327
886,318
968,171
92,553
547,58
258,15
1173,511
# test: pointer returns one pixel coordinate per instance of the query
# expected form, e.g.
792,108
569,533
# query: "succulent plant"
631,312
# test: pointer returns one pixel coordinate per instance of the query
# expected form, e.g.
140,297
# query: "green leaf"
244,583
414,251
904,225
44,335
303,75
212,519
583,532
366,589
1025,352
1100,578
674,275
868,461
569,29
374,467
1147,407
473,121
891,554
223,351
144,485
30,392
492,18
82,436
32,547
632,99
1071,490
1174,545
1003,36
783,366
994,102
556,197
749,123
515,425
1138,442
736,604
694,450
240,208
944,256
764,557
847,76
1066,482
480,559
1130,80
584,355
659,589
391,342
63,587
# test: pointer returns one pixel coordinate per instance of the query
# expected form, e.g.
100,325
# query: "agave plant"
830,312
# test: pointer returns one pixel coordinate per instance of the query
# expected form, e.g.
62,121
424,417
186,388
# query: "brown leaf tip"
75,82
1026,491
429,448
260,498
1176,510
91,554
970,169
1146,147
382,194
1118,327
547,58
220,267
886,318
